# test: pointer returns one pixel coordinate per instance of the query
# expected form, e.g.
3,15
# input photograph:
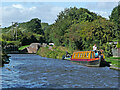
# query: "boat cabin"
86,55
83,55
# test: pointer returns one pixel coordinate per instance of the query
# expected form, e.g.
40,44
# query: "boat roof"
82,51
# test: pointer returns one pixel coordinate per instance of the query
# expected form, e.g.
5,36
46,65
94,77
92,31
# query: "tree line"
74,28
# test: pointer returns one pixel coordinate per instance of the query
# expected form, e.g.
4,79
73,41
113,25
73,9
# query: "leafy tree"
66,19
115,17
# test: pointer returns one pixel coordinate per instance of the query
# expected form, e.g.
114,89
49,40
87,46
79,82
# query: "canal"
33,71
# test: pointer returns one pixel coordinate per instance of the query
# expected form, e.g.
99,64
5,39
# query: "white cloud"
102,13
102,5
32,8
46,12
19,13
17,6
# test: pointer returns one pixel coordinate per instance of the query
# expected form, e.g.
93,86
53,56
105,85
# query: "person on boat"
94,47
96,54
95,50
101,51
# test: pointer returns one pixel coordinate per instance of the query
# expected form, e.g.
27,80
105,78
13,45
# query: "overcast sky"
47,11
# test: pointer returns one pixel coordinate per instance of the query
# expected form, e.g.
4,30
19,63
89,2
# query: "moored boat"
66,57
88,58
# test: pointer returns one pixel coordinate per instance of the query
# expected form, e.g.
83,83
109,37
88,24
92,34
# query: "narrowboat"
88,58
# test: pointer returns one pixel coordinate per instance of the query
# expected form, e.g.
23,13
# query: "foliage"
55,52
80,29
44,25
32,26
47,33
22,47
67,18
108,50
16,43
74,28
118,45
26,33
115,17
3,43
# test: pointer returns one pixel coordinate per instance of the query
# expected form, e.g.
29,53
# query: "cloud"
23,12
17,6
102,13
102,8
102,5
32,8
19,13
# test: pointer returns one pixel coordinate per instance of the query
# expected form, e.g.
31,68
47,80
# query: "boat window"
87,54
81,55
78,54
91,55
74,55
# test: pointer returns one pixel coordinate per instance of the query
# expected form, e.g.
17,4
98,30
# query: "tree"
115,17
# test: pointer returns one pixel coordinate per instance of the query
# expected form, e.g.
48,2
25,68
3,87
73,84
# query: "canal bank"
115,62
55,52
59,52
34,71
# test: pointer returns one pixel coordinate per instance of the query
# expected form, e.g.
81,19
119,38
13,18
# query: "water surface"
33,71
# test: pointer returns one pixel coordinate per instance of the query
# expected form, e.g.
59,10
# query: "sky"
47,11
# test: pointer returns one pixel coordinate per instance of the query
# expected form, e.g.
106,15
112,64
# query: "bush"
16,43
108,50
55,52
118,45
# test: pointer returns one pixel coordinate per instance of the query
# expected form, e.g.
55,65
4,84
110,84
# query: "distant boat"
88,58
66,57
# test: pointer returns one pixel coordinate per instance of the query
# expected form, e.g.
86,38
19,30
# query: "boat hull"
87,62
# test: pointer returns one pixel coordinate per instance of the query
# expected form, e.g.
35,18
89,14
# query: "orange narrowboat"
89,58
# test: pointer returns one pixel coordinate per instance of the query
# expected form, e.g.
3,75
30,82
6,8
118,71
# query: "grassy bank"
115,61
53,52
58,52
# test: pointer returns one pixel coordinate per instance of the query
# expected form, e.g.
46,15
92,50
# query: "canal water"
33,71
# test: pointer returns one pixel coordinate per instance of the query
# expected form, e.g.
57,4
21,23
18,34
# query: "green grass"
114,57
55,52
22,47
115,61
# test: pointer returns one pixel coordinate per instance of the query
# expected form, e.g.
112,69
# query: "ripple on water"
33,71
